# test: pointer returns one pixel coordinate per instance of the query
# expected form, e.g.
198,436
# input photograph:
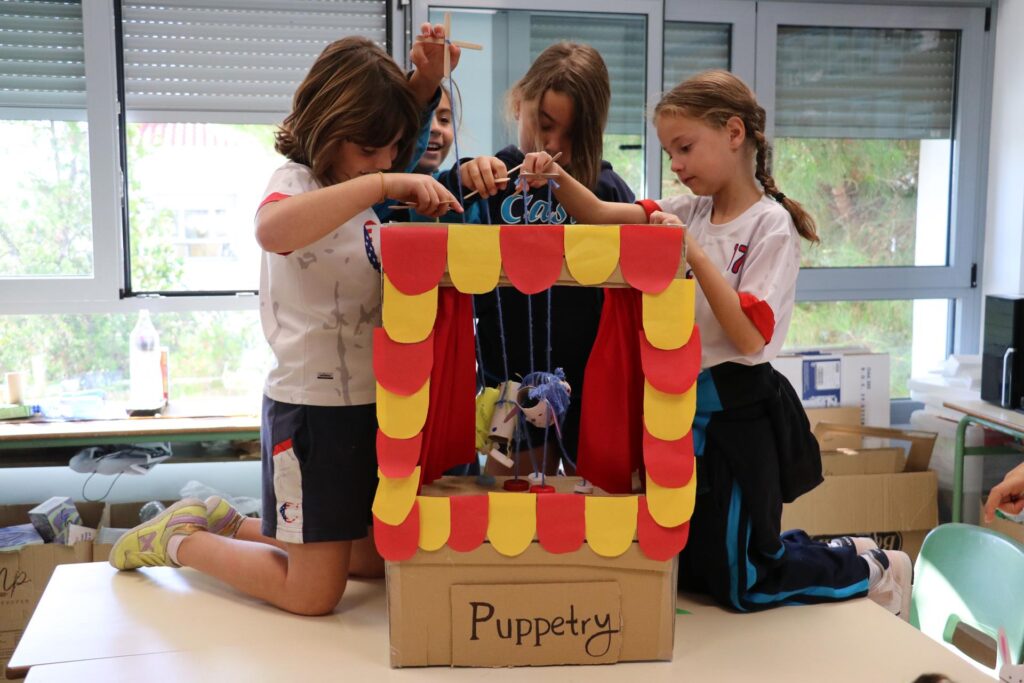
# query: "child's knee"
315,601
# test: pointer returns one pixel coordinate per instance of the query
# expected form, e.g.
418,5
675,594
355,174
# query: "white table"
154,625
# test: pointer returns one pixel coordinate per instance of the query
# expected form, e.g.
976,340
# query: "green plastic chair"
971,575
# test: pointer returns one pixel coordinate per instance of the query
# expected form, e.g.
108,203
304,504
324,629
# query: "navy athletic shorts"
319,471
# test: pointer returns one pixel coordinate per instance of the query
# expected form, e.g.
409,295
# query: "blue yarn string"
455,136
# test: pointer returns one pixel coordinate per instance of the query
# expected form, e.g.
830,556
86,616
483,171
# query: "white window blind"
622,42
42,55
865,83
244,56
692,47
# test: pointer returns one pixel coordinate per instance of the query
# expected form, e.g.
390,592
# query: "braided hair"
715,97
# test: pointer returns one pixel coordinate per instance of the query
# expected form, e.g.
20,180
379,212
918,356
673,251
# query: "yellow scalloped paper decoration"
402,417
669,416
668,315
671,507
474,257
511,521
395,497
591,252
435,521
408,319
611,524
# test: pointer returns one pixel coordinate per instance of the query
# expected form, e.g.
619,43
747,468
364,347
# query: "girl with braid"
751,436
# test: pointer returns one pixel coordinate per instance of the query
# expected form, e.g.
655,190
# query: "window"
875,122
205,83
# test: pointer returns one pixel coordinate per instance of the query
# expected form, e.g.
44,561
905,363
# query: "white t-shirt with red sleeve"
319,305
758,253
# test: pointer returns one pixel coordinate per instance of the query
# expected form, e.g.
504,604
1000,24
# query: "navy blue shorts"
319,471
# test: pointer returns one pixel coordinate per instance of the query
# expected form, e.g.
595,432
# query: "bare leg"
306,578
366,561
251,529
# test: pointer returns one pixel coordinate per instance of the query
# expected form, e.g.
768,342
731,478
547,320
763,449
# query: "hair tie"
778,196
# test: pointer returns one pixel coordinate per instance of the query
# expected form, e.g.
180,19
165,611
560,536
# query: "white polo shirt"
758,253
319,305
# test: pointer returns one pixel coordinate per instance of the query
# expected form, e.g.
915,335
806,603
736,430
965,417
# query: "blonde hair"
577,71
715,97
354,91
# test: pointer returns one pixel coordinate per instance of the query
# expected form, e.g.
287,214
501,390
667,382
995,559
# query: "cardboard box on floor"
879,493
480,608
848,377
25,573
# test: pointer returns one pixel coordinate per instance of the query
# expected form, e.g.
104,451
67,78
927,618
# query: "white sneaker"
892,590
861,544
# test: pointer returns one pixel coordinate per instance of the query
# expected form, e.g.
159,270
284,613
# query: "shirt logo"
739,257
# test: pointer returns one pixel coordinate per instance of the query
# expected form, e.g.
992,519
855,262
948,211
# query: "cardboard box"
25,573
831,441
868,493
484,609
840,377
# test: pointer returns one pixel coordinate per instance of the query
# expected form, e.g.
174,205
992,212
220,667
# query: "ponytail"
803,220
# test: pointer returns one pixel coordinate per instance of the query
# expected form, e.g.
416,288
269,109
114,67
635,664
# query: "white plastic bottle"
146,379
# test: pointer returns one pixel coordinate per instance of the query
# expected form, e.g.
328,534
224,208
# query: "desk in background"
157,625
991,417
28,434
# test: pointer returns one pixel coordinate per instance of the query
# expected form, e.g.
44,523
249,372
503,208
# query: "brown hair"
715,97
577,71
354,91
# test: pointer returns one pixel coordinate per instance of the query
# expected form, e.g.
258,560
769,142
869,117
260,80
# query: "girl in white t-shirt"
751,434
354,116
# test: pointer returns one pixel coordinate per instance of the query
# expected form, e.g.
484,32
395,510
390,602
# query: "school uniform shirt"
758,253
319,305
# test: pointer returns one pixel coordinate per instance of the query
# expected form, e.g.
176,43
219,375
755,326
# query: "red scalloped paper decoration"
658,542
469,522
532,255
671,371
396,543
649,255
402,368
669,463
397,458
414,256
561,525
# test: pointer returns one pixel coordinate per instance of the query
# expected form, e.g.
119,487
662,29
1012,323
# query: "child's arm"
297,221
725,302
428,58
1007,495
578,201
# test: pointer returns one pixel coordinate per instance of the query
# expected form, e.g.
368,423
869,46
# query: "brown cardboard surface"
866,494
838,415
536,623
25,573
420,598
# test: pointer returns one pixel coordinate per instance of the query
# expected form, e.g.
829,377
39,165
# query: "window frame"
957,280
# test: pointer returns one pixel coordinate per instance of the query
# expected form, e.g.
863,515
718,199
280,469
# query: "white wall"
1004,231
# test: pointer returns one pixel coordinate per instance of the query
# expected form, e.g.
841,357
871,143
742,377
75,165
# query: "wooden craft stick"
513,170
465,45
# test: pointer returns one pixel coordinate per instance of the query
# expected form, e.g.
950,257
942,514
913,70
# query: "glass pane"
913,333
484,77
863,138
46,224
690,47
193,192
212,355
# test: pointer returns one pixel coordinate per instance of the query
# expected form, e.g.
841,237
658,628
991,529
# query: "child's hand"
428,196
663,218
1008,495
484,175
428,57
539,162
